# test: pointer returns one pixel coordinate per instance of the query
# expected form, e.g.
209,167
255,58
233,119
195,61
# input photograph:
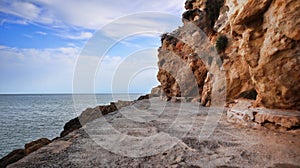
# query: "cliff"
244,54
258,46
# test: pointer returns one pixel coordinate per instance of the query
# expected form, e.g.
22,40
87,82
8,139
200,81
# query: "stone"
244,113
263,54
12,157
91,114
240,113
262,58
167,137
206,93
181,70
285,118
156,91
126,103
277,75
18,154
35,145
251,11
70,126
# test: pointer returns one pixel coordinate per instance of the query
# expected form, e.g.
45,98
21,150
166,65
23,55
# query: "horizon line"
69,93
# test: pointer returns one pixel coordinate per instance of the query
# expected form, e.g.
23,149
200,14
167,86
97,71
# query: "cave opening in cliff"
213,9
249,94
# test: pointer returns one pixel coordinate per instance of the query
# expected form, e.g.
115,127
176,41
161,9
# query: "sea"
28,117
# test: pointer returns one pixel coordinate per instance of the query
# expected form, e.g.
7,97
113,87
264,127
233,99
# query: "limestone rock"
156,92
285,118
251,11
18,154
168,137
181,72
207,89
244,113
262,60
121,104
35,145
70,126
91,114
277,75
12,157
240,113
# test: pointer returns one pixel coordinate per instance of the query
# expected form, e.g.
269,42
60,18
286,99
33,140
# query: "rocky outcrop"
35,145
244,113
156,91
166,140
181,71
70,126
12,157
261,60
264,37
91,114
76,123
18,154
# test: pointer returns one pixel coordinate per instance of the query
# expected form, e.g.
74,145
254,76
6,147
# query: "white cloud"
142,24
24,10
3,47
20,21
135,73
52,70
76,20
32,55
41,33
36,70
81,36
90,15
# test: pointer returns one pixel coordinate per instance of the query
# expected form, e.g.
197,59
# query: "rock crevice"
261,60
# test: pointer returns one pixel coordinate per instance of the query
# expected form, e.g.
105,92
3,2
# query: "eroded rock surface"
18,154
261,61
128,138
244,113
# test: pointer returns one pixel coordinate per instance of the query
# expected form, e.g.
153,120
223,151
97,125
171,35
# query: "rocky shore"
145,144
86,116
229,97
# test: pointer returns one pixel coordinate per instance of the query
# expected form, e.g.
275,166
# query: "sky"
79,46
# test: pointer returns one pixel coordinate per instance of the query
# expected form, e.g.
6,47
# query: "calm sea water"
24,118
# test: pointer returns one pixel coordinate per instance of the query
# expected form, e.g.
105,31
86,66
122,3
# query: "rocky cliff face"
261,60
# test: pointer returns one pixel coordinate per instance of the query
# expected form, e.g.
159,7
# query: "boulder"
70,126
35,145
12,157
244,113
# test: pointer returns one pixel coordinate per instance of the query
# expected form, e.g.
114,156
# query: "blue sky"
43,41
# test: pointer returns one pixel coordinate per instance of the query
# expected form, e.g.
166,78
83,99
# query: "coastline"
229,145
29,147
